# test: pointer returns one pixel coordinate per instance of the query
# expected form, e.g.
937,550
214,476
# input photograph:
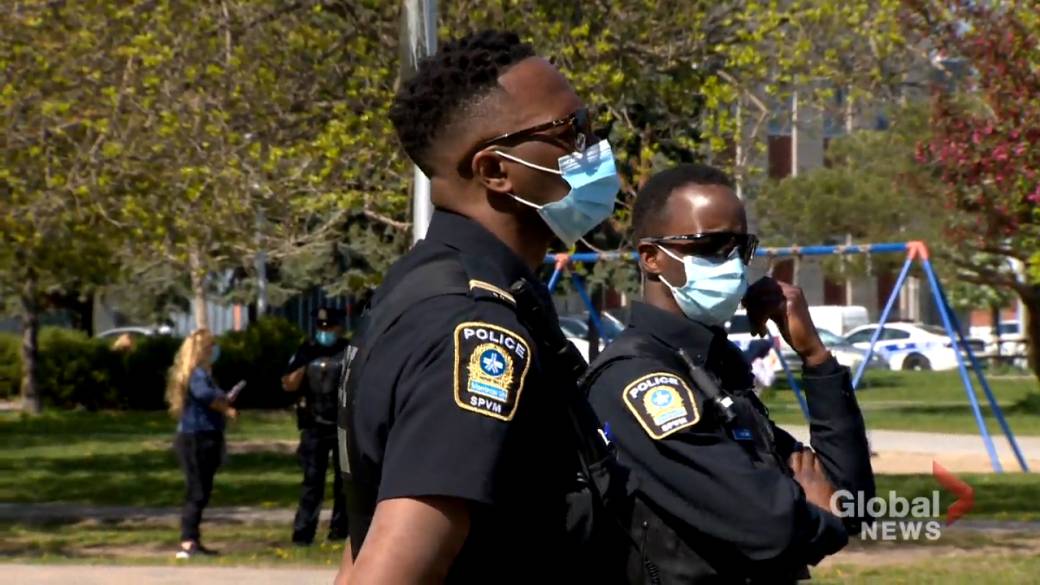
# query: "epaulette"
485,280
479,288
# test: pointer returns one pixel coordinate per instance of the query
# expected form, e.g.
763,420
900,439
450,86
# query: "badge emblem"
490,372
491,363
662,403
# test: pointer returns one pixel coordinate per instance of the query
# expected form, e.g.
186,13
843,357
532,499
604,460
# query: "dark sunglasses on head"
713,244
578,133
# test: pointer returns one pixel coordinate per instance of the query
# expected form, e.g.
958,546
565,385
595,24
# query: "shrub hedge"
76,371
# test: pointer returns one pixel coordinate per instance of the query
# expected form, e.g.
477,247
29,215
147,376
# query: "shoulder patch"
491,363
662,403
492,289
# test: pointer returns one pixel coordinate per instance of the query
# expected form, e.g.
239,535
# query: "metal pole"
790,377
994,405
419,40
885,248
884,319
969,389
580,287
555,278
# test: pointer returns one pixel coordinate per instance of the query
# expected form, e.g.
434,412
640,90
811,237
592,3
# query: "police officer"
314,372
460,448
722,494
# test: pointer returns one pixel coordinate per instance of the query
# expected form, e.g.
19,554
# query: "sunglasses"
713,244
577,134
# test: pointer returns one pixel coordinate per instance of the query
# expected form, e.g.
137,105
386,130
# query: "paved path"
913,452
171,575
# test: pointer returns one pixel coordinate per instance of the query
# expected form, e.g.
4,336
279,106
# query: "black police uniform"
316,413
450,395
717,502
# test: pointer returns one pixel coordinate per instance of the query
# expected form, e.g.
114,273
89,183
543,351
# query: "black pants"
200,455
316,445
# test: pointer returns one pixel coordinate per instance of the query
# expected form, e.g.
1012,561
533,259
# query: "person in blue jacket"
201,409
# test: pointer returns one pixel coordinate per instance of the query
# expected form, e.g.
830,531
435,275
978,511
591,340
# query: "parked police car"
912,346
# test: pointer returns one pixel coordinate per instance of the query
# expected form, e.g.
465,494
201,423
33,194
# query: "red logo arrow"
953,484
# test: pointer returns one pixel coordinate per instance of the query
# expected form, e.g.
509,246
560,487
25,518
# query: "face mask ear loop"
526,202
527,164
674,257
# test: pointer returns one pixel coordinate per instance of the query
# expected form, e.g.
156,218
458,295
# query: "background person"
200,408
313,373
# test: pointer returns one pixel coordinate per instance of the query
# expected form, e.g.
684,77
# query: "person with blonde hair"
201,409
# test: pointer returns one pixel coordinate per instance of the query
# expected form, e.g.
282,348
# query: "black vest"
675,552
323,375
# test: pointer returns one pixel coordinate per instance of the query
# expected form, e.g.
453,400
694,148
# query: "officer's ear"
490,170
649,259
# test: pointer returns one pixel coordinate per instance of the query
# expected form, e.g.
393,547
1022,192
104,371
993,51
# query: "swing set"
915,251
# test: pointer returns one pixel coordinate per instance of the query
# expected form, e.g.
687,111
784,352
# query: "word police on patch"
490,366
662,403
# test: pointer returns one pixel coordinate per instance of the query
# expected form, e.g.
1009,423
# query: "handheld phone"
233,394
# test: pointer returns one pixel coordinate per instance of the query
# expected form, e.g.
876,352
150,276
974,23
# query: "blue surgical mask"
326,338
214,355
594,185
713,289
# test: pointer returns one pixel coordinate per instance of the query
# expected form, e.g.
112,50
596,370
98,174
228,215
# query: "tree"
983,144
257,127
58,59
872,190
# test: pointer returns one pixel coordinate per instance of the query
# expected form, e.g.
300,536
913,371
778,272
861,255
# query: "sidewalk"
913,452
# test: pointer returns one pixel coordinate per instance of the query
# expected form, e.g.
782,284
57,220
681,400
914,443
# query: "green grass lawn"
982,568
124,543
1007,496
127,459
928,401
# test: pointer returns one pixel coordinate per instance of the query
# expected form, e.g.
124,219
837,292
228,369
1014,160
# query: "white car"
847,355
1012,341
912,346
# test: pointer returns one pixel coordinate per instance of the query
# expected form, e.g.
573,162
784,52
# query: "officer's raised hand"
785,305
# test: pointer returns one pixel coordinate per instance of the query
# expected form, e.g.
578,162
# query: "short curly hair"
461,73
651,204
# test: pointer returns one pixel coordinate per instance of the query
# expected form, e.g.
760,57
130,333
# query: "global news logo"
895,517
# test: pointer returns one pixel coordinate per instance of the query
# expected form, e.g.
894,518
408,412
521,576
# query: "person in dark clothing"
461,455
201,409
722,495
314,373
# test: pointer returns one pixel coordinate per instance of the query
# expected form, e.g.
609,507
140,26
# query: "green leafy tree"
256,127
56,231
870,191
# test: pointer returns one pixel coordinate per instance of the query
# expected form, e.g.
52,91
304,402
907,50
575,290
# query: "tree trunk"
31,403
198,290
1031,328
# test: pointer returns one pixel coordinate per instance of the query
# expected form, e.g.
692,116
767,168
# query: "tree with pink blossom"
985,142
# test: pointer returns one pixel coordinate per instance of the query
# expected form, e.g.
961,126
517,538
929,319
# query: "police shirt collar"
469,237
674,330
